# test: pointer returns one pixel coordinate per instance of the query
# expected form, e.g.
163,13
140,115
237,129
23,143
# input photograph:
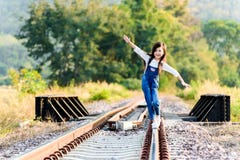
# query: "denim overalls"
150,86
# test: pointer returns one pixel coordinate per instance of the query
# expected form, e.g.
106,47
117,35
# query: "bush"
235,113
27,81
131,83
100,95
164,82
189,93
230,80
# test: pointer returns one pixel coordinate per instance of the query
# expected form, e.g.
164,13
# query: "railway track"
106,145
123,133
118,135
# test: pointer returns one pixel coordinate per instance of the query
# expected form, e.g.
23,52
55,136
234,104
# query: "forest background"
82,41
72,42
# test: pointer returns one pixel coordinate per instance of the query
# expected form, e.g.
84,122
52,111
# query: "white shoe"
159,122
155,125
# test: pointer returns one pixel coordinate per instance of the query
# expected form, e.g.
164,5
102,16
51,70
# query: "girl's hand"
126,39
185,85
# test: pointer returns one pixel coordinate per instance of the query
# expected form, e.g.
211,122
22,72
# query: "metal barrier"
212,108
59,108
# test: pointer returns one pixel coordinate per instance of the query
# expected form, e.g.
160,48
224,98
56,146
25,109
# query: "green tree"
78,40
228,71
27,81
223,37
82,41
154,24
168,21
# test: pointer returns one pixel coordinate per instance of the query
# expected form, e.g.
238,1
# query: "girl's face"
158,53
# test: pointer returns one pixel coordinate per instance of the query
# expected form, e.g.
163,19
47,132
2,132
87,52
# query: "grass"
17,108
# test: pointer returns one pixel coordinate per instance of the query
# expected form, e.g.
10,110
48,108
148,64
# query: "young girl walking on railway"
154,63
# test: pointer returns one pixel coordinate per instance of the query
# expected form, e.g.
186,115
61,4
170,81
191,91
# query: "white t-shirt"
154,63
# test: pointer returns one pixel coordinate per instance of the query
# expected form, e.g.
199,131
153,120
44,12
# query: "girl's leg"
156,105
155,101
148,97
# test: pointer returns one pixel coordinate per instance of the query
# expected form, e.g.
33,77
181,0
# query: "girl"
155,62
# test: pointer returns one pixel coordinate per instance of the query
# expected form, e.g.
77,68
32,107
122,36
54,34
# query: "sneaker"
155,125
159,122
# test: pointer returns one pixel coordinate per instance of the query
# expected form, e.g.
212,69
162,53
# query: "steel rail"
113,120
141,118
155,144
163,144
122,113
154,151
147,143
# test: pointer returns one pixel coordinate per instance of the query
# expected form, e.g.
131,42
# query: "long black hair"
154,48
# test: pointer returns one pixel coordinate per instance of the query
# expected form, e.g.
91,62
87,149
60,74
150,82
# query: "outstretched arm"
174,72
140,52
127,40
182,81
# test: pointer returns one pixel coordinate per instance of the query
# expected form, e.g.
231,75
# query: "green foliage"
175,7
223,37
102,91
82,41
189,93
170,24
235,113
14,76
163,82
131,83
228,77
27,81
100,95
